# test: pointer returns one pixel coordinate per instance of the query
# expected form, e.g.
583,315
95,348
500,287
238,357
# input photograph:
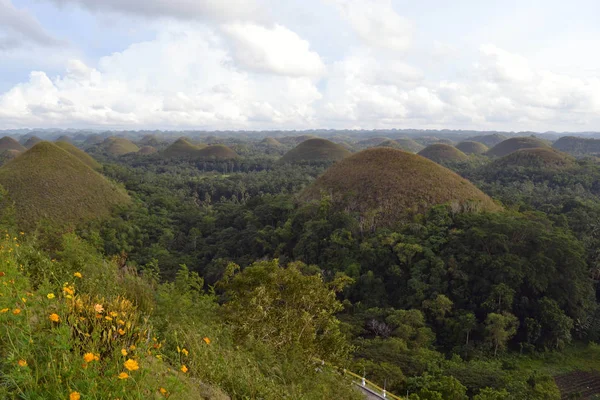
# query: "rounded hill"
271,142
317,150
384,186
147,150
489,140
80,154
442,153
469,147
374,141
8,155
409,145
182,148
32,141
577,145
8,143
47,182
517,143
216,152
117,146
539,157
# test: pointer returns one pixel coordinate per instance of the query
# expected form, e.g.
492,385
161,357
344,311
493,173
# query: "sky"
510,65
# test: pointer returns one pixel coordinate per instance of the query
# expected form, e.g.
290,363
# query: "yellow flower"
131,365
22,363
121,332
78,275
74,396
97,357
99,309
114,314
121,322
163,391
17,311
108,318
54,317
132,347
88,357
50,296
206,340
178,349
185,352
123,375
123,352
3,310
184,369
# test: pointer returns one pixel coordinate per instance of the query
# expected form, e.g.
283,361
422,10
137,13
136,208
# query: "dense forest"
231,267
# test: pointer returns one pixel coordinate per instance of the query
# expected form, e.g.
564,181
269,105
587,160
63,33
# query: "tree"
556,326
500,328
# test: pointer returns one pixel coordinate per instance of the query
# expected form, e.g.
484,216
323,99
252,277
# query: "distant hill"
150,140
8,143
372,142
80,154
47,182
8,155
32,141
64,138
488,140
117,146
269,141
296,139
409,145
93,139
442,153
182,148
517,143
540,157
469,147
578,146
147,150
216,152
384,186
315,150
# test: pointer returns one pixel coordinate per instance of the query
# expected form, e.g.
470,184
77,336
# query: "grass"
8,143
269,141
386,185
441,153
80,154
375,141
47,182
489,140
32,141
469,147
316,150
403,144
215,152
182,148
540,157
513,144
8,155
117,146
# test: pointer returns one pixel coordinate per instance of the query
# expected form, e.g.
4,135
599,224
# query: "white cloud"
377,23
274,50
18,27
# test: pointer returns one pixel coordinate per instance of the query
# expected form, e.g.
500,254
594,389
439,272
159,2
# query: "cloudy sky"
297,64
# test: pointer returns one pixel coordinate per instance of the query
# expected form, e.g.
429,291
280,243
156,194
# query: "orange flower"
99,309
17,311
22,363
123,352
163,391
206,340
131,365
78,275
74,396
121,332
54,317
185,352
3,310
68,290
123,375
184,369
88,357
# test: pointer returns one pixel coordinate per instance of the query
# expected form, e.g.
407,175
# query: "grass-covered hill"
116,146
47,182
316,150
8,155
80,154
539,157
64,138
371,142
294,140
443,153
93,139
384,186
216,152
578,146
488,140
517,143
402,144
147,150
272,142
8,143
32,141
150,140
470,147
182,148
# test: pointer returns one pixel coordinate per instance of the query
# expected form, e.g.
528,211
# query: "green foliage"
315,150
443,153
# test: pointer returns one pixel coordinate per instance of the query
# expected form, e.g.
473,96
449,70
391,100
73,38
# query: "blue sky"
266,64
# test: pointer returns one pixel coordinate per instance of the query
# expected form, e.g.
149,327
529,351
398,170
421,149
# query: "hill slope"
384,186
441,153
517,143
316,150
469,147
578,146
539,157
48,182
32,141
181,148
216,152
8,143
147,150
117,146
80,154
489,140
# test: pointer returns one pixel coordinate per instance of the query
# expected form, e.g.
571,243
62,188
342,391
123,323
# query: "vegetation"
182,148
216,152
80,154
32,141
8,143
540,157
488,140
116,146
517,143
147,150
46,182
315,150
470,147
443,153
577,146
